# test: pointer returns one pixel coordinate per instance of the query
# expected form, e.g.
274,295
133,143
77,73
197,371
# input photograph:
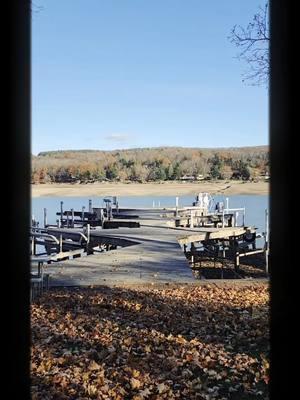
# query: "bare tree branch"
253,44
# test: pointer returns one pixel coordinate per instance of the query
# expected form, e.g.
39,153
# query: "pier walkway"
153,254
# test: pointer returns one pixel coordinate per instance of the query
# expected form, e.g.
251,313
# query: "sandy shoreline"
149,189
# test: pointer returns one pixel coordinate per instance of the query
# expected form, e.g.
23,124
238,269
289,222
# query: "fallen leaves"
204,342
135,383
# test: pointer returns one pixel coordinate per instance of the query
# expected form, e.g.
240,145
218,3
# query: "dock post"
227,204
101,216
223,218
223,250
61,212
60,243
267,240
88,232
193,254
82,214
107,211
90,206
153,204
45,217
233,220
33,246
244,216
193,249
176,203
67,219
236,214
237,261
191,220
88,236
72,217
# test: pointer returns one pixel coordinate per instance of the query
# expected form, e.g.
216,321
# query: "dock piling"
82,214
45,217
72,217
267,240
236,214
33,247
237,261
61,212
101,217
88,231
192,220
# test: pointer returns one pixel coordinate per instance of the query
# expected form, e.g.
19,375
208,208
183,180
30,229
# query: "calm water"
255,205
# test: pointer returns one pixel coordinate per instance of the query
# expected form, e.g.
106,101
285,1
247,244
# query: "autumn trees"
146,165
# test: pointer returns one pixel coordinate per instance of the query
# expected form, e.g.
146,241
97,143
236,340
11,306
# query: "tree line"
150,164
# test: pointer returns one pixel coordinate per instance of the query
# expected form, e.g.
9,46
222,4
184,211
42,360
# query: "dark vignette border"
281,204
15,262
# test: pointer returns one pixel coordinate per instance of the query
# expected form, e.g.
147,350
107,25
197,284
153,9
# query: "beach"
150,189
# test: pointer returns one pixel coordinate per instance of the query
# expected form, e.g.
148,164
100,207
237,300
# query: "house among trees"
187,178
265,176
198,177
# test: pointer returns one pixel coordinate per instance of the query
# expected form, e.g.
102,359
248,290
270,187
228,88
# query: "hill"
150,164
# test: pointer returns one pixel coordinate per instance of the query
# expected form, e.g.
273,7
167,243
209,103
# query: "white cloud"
118,137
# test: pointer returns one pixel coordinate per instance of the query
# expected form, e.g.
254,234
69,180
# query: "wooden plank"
211,233
250,253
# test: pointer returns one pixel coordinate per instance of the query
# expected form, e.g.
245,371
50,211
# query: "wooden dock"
136,246
152,255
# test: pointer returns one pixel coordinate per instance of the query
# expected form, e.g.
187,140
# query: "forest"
150,164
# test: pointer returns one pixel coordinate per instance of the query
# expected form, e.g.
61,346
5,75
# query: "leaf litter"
188,342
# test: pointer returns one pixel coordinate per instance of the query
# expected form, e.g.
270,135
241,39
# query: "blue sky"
113,74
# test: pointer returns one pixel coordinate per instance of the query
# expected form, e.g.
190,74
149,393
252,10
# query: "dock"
152,254
107,246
